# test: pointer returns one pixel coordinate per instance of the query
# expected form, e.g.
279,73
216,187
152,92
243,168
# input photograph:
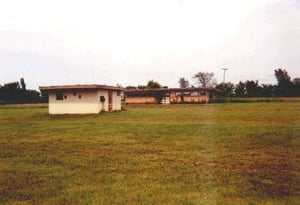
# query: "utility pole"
224,69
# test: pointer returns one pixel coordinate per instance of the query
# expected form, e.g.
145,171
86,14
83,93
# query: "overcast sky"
55,42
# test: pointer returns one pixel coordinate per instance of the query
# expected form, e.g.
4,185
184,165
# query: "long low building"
170,95
82,99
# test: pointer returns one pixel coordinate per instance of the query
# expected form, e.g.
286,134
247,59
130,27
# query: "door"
110,101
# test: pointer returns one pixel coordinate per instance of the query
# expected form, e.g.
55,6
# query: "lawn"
235,153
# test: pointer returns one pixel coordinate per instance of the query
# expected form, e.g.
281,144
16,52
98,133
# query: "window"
102,99
178,94
74,93
59,95
202,93
195,93
118,93
187,93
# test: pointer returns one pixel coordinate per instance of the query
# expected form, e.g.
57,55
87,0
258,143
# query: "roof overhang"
80,87
172,89
193,89
150,92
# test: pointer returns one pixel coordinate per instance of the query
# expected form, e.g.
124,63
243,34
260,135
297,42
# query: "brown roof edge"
174,89
210,89
193,89
80,87
147,90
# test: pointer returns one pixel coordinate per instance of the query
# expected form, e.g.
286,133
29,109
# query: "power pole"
224,69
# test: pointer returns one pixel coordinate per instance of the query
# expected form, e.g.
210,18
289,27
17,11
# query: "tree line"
285,87
150,85
16,93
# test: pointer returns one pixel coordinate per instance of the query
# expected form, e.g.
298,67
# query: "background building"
170,95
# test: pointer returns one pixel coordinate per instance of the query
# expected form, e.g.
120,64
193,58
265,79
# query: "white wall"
88,103
116,101
102,105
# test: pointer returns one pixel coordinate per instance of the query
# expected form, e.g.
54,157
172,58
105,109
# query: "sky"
62,42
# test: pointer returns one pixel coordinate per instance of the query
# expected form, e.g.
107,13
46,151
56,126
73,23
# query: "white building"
82,99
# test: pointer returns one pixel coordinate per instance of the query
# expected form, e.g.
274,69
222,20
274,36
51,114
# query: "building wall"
82,102
188,98
170,97
102,107
117,100
141,100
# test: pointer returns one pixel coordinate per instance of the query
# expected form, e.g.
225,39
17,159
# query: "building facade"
83,99
170,96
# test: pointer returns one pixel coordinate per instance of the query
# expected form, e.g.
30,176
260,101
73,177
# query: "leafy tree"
296,81
152,84
183,83
282,75
130,87
142,87
268,90
252,88
285,86
240,89
13,85
226,88
16,93
205,79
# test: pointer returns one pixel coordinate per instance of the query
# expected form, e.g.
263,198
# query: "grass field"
244,153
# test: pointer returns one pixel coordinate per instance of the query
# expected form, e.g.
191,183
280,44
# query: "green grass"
244,153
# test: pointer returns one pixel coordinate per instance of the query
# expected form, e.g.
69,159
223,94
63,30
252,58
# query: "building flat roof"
193,89
80,87
171,89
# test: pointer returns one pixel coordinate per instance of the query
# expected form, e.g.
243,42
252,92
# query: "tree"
130,87
282,75
285,86
205,79
296,81
13,85
226,88
15,93
240,89
183,83
152,84
268,90
252,88
22,83
142,86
